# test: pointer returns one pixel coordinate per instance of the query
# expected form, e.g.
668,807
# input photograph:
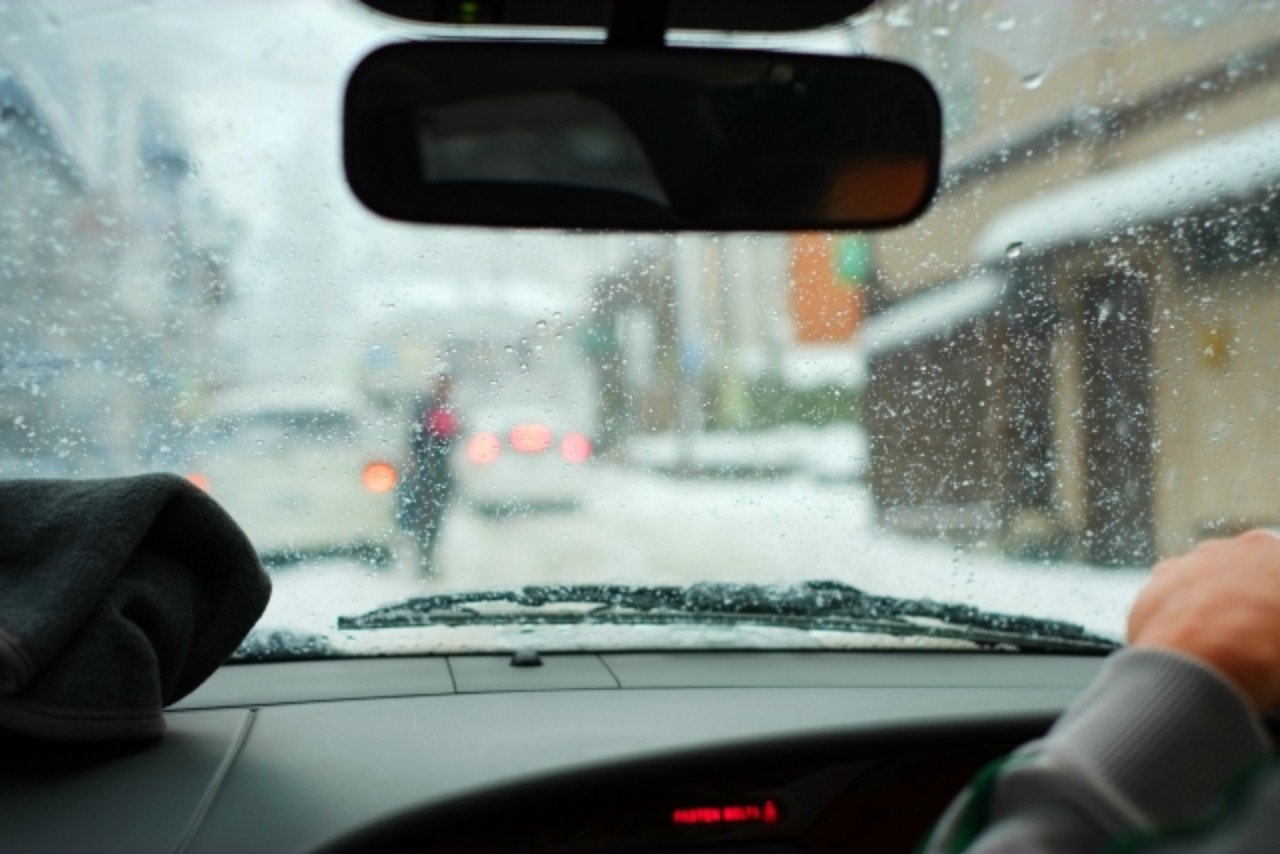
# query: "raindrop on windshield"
1013,250
1033,80
899,18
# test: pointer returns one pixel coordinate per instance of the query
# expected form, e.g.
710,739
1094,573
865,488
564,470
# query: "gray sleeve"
1151,742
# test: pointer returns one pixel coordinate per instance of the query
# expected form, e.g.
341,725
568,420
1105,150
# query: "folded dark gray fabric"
117,598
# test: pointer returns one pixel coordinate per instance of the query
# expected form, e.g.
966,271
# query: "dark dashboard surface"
298,756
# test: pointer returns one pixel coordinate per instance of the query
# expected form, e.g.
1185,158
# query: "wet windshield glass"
1060,374
269,428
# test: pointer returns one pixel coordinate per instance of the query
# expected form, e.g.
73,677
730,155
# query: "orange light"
530,438
379,477
483,448
576,448
199,481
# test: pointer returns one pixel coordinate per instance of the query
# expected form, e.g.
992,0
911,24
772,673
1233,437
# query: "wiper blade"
281,645
810,605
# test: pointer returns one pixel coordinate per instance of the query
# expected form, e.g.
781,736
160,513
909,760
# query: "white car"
302,472
521,458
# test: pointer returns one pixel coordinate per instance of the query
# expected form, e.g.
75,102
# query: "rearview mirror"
593,137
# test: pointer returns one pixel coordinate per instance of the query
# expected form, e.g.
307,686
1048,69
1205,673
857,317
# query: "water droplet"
1013,250
1033,81
899,18
1008,22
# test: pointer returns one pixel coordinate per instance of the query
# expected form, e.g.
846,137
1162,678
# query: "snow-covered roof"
811,366
931,315
1225,168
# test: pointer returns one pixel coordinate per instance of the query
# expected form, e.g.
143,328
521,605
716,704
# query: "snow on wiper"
263,645
809,606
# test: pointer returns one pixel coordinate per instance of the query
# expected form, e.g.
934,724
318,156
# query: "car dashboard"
765,752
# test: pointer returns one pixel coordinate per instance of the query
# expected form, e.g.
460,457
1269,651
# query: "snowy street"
640,527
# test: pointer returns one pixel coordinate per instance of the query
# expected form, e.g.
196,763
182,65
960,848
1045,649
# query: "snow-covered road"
639,527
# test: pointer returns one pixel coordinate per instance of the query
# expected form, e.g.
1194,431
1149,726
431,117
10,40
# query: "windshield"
269,428
1061,373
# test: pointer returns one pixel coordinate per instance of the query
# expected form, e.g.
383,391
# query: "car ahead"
1069,370
303,471
516,459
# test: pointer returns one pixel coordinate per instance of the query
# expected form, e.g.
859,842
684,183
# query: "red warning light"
696,815
763,813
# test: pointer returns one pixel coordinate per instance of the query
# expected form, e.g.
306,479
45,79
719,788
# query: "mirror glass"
584,136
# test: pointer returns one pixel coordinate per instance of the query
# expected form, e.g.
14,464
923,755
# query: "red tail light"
199,481
576,448
483,448
530,438
379,477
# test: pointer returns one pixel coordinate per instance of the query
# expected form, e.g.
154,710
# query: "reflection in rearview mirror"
581,136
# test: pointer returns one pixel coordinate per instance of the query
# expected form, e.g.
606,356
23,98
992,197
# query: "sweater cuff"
1162,730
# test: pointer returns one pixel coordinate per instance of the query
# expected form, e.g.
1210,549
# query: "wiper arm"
810,605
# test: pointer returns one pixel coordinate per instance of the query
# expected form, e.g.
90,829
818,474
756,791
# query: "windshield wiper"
809,606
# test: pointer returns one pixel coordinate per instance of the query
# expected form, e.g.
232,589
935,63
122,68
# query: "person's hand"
1220,603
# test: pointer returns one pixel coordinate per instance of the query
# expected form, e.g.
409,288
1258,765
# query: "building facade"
1131,235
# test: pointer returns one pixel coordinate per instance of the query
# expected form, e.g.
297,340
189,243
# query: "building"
1092,282
98,192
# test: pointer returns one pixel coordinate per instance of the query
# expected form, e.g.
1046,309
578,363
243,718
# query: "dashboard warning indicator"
765,812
